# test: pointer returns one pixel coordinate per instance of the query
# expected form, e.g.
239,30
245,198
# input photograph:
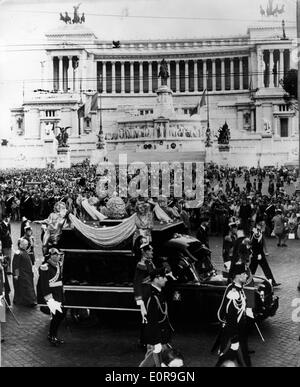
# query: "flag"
200,104
91,104
203,99
80,111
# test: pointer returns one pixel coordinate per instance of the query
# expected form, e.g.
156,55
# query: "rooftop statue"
271,10
76,18
163,72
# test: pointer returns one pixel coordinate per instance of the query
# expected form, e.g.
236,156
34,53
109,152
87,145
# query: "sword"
9,308
260,334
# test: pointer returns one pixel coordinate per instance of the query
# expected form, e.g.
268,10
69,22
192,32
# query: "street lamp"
298,89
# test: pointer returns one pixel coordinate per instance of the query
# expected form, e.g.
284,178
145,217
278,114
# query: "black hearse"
102,279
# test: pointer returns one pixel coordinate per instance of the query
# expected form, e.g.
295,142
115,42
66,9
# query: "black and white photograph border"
149,185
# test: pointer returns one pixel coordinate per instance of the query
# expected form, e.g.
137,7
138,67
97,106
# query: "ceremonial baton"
260,334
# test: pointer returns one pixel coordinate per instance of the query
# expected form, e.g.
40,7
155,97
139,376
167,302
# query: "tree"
290,85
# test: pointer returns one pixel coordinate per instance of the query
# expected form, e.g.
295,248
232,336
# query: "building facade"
240,73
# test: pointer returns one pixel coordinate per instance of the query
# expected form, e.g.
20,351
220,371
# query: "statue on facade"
208,141
76,18
62,137
163,72
82,19
271,10
224,135
65,18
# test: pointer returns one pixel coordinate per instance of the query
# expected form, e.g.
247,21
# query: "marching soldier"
144,268
233,341
157,330
50,290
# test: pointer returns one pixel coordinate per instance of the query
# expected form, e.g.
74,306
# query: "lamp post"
100,144
298,90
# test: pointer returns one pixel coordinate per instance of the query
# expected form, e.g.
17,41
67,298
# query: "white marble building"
241,74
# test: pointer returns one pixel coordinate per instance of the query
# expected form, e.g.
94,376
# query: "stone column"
169,79
122,77
186,76
260,67
204,74
104,78
252,120
271,84
60,73
214,75
177,77
113,77
223,77
131,77
70,75
141,85
231,73
150,77
281,65
241,73
196,76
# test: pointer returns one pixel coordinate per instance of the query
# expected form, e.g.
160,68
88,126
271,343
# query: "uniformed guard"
157,330
50,291
233,341
2,297
144,267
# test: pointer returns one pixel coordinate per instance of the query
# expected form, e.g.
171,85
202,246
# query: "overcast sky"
27,21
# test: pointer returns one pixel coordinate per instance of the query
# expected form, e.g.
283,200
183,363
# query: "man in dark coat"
259,257
204,256
50,292
23,276
157,330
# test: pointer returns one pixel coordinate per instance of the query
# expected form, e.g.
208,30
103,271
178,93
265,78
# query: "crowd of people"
240,204
253,195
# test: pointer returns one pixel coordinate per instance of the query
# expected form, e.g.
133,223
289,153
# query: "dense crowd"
252,195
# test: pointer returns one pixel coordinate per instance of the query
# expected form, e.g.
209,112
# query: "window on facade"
284,127
145,112
50,113
284,108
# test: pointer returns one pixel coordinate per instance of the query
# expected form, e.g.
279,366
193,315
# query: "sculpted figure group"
159,131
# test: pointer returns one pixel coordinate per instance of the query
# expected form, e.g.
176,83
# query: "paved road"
112,342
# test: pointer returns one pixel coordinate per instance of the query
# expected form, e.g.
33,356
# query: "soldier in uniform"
144,268
157,330
233,312
50,291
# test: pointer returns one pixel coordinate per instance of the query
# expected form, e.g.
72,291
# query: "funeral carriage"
99,265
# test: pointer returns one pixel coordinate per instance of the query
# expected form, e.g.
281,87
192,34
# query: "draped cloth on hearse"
106,237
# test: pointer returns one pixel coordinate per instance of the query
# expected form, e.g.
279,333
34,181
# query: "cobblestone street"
113,341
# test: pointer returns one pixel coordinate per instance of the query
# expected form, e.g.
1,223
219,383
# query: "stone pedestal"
98,156
164,106
63,159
